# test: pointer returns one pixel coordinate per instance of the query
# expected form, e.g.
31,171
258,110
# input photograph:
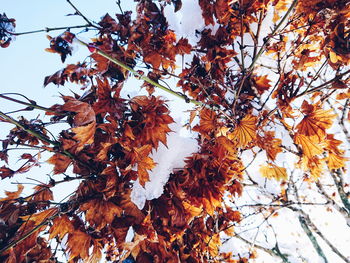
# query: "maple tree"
297,105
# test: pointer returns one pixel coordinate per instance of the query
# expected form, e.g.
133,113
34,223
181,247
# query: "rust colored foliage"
108,141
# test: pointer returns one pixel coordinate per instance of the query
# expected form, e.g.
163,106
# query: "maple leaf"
207,122
84,112
309,144
270,144
60,162
131,209
40,217
315,121
77,73
235,188
42,193
336,161
84,135
99,213
78,245
155,119
96,254
183,47
214,242
144,162
313,164
13,195
6,172
272,171
245,131
234,216
192,209
60,227
108,103
261,83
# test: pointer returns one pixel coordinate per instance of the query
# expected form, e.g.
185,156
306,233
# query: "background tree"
268,85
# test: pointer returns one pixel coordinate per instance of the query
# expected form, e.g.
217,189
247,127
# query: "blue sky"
25,63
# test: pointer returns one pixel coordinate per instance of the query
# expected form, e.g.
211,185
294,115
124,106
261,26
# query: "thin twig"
80,14
47,29
143,77
261,50
31,105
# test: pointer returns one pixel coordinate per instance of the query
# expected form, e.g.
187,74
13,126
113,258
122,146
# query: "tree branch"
312,238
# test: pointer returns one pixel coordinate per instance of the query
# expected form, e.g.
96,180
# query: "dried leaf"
60,162
78,245
275,172
13,195
245,131
84,135
310,145
60,227
315,121
99,213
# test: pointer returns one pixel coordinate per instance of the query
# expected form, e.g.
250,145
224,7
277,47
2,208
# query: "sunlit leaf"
272,171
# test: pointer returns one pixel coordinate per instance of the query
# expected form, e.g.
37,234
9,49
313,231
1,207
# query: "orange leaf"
40,217
335,161
144,162
214,243
314,164
191,209
272,171
99,213
245,131
60,227
13,195
84,134
262,83
96,253
315,121
207,121
60,161
310,145
233,215
78,245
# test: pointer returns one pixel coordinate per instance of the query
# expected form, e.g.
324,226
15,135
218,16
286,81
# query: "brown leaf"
78,245
42,193
84,112
60,227
13,195
315,121
6,172
245,131
84,135
60,162
183,47
99,213
40,217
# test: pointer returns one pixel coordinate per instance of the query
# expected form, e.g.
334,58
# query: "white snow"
167,158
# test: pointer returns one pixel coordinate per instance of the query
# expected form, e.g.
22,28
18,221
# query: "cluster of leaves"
110,139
